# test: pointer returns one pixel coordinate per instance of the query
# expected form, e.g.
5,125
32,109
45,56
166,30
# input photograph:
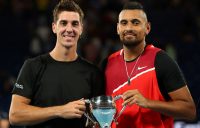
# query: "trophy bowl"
103,110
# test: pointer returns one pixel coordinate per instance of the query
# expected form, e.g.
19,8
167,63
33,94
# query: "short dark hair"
67,5
133,5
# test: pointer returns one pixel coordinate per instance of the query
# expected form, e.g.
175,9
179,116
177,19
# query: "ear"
54,27
148,28
118,28
81,31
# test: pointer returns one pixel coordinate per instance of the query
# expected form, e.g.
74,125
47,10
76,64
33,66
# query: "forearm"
29,115
178,109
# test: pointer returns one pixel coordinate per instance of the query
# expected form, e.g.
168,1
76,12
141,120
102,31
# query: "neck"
64,54
130,53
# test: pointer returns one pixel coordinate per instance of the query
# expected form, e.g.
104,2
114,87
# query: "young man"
152,86
51,88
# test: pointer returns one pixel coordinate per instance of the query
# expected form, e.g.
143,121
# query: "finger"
134,101
77,115
127,101
131,100
129,93
82,102
79,111
81,107
114,104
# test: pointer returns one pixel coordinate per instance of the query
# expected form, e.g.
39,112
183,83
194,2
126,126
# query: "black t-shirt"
169,75
48,82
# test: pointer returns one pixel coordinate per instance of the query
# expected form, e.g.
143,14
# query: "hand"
74,109
113,103
135,97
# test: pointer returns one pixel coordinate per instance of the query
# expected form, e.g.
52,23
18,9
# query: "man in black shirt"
51,88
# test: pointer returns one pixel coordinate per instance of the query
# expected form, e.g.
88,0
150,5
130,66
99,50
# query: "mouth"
68,37
129,34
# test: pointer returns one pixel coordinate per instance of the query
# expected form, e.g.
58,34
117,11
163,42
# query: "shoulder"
152,49
168,72
165,63
113,57
164,59
115,54
38,59
36,62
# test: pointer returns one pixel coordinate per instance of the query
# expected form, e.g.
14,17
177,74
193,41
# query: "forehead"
69,16
132,14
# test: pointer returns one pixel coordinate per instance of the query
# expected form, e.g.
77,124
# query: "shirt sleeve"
169,74
25,80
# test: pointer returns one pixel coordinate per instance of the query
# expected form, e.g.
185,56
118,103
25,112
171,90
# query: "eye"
123,22
135,22
75,23
63,23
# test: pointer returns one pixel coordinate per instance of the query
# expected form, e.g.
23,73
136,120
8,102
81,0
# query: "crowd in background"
25,31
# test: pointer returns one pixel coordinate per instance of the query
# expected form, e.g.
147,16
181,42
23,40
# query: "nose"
129,26
69,28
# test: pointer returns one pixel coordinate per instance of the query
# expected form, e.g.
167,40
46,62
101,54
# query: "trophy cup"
104,110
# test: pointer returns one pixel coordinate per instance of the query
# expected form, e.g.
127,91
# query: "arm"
21,113
181,106
179,102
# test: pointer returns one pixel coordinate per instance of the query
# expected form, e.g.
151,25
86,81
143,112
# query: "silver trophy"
103,109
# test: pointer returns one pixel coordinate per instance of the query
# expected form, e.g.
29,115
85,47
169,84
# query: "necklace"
129,76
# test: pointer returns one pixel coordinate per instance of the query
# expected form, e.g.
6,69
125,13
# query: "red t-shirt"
144,79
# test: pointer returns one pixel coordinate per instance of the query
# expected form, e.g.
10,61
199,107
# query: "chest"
119,72
62,84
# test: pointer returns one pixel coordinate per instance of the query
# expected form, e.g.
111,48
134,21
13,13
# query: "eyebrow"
132,20
69,21
123,20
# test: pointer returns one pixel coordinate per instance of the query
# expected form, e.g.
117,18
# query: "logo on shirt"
139,68
19,86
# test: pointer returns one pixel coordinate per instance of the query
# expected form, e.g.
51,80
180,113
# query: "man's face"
68,28
132,27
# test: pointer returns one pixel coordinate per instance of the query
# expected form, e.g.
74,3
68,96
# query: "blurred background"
25,31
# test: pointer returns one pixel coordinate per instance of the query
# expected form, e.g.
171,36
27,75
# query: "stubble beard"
131,43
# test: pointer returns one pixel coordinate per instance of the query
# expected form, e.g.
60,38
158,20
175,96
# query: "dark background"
25,31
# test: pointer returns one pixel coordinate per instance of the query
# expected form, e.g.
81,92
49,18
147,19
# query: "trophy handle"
121,111
89,116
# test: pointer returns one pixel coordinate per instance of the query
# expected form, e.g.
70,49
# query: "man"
150,83
50,89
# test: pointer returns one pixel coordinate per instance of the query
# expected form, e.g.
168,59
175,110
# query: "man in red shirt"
152,85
